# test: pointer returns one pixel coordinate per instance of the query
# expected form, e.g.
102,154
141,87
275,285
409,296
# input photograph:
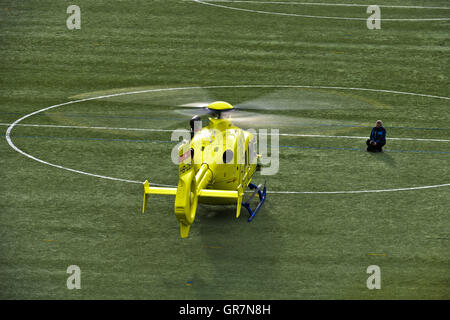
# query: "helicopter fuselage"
228,151
215,167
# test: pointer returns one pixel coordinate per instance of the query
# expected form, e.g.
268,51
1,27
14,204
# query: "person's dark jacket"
378,135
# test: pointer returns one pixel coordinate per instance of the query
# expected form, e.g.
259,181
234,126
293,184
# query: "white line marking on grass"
17,122
360,191
356,137
209,3
171,130
329,4
87,127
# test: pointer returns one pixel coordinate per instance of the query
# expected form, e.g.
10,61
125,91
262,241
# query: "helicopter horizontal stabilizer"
218,193
155,190
211,193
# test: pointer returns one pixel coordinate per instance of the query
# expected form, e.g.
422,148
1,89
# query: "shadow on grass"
244,256
384,157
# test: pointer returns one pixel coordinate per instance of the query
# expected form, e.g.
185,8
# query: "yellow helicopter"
215,167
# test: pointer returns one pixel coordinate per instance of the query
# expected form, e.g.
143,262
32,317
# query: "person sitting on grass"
377,138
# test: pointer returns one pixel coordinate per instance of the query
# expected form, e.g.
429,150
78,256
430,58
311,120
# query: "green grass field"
300,245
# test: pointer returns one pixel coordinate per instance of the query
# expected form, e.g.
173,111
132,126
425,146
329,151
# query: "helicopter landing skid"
262,197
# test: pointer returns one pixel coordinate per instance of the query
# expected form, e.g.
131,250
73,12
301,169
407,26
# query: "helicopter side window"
227,156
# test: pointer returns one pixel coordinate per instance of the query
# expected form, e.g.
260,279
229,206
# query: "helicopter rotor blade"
196,104
247,119
262,111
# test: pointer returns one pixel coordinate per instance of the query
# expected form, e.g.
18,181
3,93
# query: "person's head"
379,123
